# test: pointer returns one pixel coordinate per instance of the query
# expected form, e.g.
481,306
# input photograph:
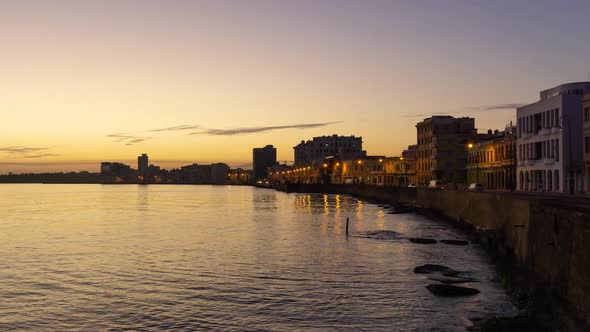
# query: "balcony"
548,161
545,131
555,130
526,135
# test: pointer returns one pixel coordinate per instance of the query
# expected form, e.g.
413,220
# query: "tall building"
442,148
586,106
262,159
316,150
492,160
550,157
142,167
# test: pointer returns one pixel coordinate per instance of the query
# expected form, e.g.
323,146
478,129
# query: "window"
587,114
587,144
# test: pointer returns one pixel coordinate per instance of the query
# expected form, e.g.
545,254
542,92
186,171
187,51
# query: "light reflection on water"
91,257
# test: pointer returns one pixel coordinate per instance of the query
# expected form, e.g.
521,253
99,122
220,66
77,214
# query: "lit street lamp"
471,146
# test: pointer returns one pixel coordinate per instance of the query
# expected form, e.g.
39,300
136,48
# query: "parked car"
475,187
411,185
436,184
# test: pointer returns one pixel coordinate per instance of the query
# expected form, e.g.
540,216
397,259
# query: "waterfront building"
278,173
442,148
239,176
550,157
142,168
316,150
586,106
111,172
201,174
367,170
262,159
399,171
491,160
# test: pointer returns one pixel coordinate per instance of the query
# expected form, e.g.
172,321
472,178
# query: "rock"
421,240
380,235
433,268
451,280
455,242
450,290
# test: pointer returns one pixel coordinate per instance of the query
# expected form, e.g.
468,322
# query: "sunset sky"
206,81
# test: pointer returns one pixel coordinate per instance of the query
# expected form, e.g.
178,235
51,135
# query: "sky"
206,81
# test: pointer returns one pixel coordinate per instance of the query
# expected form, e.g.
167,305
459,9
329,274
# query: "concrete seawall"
546,240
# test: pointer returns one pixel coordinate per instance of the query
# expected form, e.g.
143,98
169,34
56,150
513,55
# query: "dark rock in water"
380,235
450,273
456,242
401,210
450,290
430,268
421,240
451,280
433,268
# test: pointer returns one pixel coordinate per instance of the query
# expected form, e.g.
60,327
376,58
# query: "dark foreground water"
92,257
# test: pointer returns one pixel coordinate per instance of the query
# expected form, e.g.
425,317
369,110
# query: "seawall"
543,242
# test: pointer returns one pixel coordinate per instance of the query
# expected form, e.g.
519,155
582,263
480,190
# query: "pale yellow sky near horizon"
73,73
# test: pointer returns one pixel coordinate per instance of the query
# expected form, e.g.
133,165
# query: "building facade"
586,106
142,167
218,173
441,152
550,159
491,160
399,171
262,159
308,153
111,172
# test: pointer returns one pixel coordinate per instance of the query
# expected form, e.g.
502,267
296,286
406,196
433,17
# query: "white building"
549,154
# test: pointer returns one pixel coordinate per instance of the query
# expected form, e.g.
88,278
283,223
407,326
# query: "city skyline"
208,81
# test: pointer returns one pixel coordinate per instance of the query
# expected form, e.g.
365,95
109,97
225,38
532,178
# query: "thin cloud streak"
424,115
127,138
175,128
21,149
42,155
251,130
508,106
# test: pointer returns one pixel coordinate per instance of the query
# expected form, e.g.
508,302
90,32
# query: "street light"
471,146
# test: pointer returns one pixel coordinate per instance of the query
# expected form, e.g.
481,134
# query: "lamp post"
471,146
360,162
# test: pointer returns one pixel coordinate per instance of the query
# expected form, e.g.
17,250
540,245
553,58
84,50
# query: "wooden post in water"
346,226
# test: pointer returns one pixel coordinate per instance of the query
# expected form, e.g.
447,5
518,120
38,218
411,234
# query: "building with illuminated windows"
316,150
441,152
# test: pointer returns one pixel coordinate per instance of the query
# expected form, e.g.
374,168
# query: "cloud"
27,152
42,155
21,149
127,138
425,115
509,106
251,130
176,128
